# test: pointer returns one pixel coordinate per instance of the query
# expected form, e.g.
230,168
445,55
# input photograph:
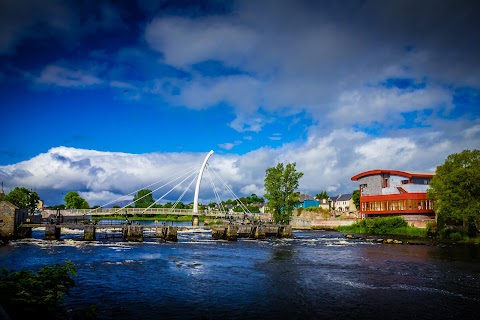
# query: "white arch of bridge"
189,174
197,187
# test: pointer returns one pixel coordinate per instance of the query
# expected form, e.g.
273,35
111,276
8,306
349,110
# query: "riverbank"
392,230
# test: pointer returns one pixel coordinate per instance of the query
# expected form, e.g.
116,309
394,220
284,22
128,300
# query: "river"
314,275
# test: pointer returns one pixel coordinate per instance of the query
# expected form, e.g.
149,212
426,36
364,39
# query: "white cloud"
186,41
229,146
325,60
327,161
275,136
386,105
64,77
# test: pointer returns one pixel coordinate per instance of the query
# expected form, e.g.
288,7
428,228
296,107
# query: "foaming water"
313,275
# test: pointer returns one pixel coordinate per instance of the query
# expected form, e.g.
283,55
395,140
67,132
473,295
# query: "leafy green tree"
321,195
455,188
24,198
143,199
24,294
254,198
238,209
356,198
74,201
281,183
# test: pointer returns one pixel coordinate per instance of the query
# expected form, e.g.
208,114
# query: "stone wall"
374,185
7,219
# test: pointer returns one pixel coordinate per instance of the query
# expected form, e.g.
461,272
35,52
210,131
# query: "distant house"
344,202
307,201
325,204
302,197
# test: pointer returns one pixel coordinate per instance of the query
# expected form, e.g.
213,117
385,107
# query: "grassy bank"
388,225
398,226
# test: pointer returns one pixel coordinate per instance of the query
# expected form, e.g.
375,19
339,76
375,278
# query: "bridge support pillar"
260,232
232,233
52,232
169,233
23,232
218,233
89,233
284,232
133,233
195,220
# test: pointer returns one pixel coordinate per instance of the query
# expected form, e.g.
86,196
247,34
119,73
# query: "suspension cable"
133,192
231,191
185,191
192,170
217,197
167,192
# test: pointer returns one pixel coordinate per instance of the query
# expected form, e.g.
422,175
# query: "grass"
386,225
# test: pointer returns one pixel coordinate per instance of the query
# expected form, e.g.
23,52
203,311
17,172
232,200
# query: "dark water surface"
314,275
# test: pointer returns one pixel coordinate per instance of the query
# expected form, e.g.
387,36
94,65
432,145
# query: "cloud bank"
328,162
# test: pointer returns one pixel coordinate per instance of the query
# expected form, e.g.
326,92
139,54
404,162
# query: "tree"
281,183
455,188
322,195
143,199
74,201
255,199
24,198
356,198
25,294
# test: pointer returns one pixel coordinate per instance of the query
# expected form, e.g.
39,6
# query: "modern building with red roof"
394,192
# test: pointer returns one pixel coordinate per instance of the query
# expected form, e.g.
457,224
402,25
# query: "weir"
135,233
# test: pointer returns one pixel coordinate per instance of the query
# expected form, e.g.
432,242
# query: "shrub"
431,228
24,293
383,225
456,236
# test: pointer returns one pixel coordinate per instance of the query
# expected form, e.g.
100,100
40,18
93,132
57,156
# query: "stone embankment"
383,240
307,223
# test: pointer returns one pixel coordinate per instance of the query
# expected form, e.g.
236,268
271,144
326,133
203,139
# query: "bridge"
232,224
177,180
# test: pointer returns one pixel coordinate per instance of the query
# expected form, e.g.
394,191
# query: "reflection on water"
314,275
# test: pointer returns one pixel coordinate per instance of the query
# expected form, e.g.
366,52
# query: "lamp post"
329,204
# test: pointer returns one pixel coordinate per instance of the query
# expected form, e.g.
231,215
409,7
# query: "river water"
314,275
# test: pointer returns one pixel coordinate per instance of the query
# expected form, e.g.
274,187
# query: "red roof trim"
394,172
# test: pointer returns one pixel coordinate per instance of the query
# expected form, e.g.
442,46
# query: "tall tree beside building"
281,183
356,198
74,201
23,198
455,188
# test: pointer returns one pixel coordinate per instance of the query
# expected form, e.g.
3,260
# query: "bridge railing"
134,211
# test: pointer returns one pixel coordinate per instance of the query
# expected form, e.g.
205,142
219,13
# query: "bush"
383,225
24,294
386,225
431,228
456,236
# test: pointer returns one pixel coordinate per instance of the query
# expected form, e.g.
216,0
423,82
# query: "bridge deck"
107,226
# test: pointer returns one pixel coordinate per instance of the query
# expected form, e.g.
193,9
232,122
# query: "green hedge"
382,225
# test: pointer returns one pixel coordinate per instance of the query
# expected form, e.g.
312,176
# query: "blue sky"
101,97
